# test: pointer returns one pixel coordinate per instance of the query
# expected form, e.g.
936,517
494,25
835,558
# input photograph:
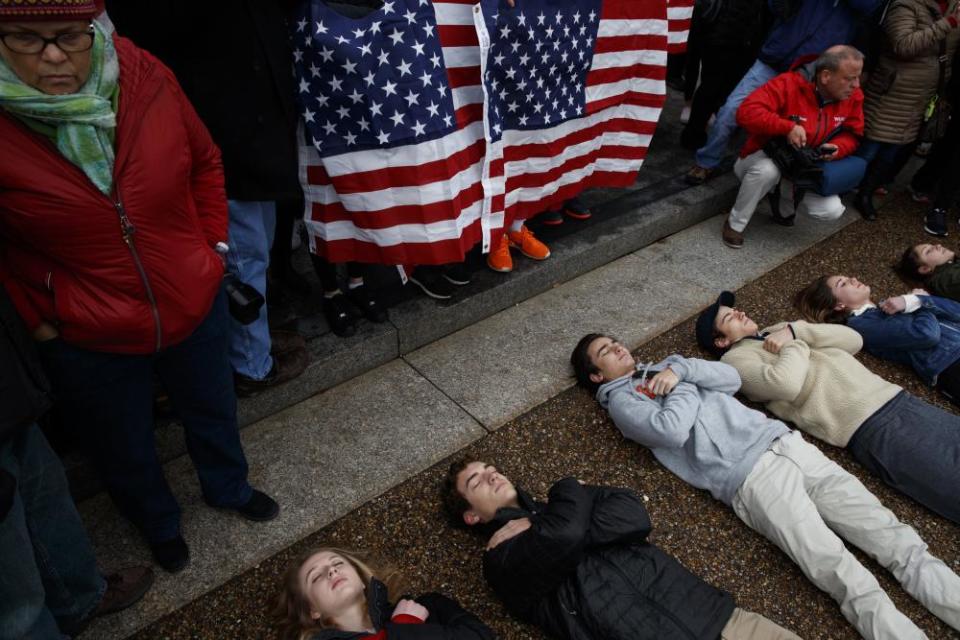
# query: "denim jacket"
927,339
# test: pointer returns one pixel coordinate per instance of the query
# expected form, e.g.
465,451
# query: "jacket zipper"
127,230
653,604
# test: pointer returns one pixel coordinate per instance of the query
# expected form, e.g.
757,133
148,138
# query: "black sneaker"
457,273
936,223
339,315
172,555
551,218
367,302
259,508
432,283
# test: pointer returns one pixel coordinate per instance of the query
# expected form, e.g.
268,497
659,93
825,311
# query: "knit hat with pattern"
33,10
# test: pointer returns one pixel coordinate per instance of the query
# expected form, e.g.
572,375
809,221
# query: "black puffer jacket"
583,571
447,620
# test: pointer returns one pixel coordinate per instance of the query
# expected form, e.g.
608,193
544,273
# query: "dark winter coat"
235,63
584,571
24,390
739,24
908,69
447,620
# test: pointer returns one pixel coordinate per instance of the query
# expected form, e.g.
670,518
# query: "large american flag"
400,159
679,16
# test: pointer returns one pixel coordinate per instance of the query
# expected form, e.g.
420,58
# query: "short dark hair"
909,265
582,363
816,303
454,504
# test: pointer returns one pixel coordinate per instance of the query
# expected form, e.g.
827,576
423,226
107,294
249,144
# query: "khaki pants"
745,625
758,176
798,498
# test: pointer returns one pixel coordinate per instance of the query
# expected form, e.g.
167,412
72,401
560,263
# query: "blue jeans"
252,225
881,152
110,396
711,154
48,573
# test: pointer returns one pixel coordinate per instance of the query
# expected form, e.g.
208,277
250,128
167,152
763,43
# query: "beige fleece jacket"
814,382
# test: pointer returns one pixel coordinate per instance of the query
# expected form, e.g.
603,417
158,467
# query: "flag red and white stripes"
679,16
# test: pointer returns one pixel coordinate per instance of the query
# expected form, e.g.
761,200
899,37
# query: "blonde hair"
291,611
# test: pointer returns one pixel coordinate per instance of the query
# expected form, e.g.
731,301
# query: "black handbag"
800,166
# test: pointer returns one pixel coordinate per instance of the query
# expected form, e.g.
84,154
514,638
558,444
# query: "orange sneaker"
528,245
499,259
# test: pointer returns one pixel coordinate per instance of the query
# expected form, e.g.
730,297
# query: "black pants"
939,173
721,70
327,272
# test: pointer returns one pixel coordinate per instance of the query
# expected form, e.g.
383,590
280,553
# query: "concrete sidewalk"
334,451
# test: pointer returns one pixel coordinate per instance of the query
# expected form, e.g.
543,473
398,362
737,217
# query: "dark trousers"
914,447
938,175
110,397
721,70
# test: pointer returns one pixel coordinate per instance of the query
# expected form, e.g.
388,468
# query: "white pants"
802,501
758,176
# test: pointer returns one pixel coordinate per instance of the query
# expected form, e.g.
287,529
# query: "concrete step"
327,455
625,220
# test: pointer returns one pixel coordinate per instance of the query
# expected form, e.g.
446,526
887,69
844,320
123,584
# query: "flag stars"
396,36
314,70
417,47
336,84
411,17
370,78
364,124
356,96
297,55
349,67
412,98
428,29
376,108
524,59
435,59
321,29
375,26
426,78
397,118
308,115
434,109
330,128
365,49
301,25
447,119
358,33
541,19
505,31
304,86
419,128
343,112
383,58
383,137
388,7
342,40
350,139
389,88
326,54
404,68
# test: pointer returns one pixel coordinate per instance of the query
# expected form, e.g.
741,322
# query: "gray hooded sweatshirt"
699,431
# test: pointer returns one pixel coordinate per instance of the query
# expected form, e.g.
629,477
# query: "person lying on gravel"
917,329
579,565
333,594
683,409
806,373
933,265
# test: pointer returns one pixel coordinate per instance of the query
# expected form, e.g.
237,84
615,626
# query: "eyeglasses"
33,43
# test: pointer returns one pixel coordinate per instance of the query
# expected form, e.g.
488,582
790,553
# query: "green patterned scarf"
84,121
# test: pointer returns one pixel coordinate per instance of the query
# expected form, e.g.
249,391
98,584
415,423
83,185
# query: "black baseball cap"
705,331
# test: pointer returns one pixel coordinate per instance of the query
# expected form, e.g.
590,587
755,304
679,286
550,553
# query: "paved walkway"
337,450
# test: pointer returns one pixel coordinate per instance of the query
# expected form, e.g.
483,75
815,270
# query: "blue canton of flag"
539,57
377,81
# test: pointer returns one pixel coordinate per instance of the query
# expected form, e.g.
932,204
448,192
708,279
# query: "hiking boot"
282,341
731,238
697,175
339,315
935,223
172,555
286,367
528,244
457,273
500,259
368,303
432,283
577,209
551,218
124,588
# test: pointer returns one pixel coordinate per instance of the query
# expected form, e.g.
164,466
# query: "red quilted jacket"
131,273
766,113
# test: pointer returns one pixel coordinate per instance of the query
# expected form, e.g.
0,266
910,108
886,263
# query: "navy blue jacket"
927,339
817,25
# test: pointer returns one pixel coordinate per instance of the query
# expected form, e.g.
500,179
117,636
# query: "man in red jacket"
806,105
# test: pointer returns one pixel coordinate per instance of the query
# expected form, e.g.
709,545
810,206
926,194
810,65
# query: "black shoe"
432,283
172,555
551,218
339,315
286,366
773,198
936,223
259,508
864,203
457,273
367,302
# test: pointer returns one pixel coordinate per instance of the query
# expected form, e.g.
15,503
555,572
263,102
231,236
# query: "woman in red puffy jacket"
112,214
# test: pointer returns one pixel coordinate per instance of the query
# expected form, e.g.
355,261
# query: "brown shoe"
285,341
124,588
731,238
286,366
698,175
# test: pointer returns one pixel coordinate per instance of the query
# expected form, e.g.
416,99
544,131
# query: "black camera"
244,300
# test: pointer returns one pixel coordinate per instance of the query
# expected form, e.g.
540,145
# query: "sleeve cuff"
406,618
912,303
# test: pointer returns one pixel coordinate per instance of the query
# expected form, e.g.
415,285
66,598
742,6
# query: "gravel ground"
569,435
